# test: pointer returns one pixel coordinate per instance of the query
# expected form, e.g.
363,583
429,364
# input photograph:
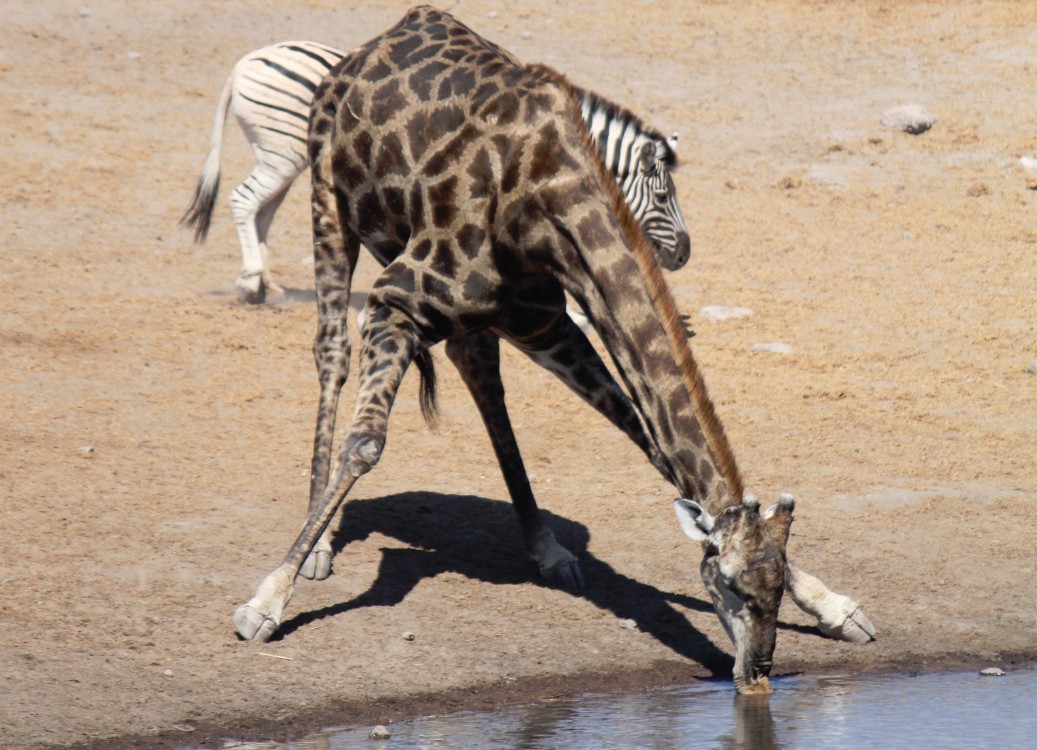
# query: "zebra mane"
594,102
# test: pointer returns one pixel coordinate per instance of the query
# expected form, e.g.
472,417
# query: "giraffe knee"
361,452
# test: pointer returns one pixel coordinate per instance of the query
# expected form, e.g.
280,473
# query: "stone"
775,347
408,636
1032,367
717,313
911,118
379,733
628,624
992,672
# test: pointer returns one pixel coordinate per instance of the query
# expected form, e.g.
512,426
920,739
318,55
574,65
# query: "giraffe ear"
647,156
694,519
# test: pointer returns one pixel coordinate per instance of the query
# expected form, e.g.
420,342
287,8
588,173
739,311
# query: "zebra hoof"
251,290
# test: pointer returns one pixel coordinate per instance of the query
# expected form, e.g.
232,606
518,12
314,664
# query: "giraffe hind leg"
382,368
477,358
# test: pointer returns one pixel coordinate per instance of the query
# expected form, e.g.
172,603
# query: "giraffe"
472,180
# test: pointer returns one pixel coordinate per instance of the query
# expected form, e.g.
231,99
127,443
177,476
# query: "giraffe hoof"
566,574
317,566
857,628
253,625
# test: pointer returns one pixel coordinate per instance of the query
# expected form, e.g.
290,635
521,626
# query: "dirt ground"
155,437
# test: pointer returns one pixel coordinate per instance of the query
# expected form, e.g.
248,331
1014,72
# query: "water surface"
925,712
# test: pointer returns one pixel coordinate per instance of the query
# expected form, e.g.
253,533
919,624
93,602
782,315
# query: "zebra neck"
617,132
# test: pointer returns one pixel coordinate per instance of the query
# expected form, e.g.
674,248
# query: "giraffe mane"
662,298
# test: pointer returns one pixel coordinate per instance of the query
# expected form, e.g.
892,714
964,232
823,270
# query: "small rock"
1029,165
133,55
628,624
992,672
84,12
911,118
379,733
87,450
408,636
717,313
492,14
1032,367
776,347
527,34
168,673
307,261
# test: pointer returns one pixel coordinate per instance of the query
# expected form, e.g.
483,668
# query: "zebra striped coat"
270,91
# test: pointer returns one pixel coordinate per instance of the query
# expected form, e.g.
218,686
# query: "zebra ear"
647,156
672,142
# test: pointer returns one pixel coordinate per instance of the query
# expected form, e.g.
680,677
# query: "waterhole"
925,712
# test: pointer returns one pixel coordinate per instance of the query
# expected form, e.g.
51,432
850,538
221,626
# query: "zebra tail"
428,387
199,213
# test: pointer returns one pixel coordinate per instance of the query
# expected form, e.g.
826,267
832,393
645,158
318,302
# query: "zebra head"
652,197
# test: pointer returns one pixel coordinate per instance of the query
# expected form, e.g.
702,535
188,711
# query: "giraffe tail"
428,386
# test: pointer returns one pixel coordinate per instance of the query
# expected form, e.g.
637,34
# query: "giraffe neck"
613,273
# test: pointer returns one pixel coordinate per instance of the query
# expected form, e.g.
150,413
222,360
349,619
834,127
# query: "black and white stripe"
270,91
641,160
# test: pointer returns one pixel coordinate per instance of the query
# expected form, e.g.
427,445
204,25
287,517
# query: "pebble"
628,624
717,313
87,450
992,672
84,12
1029,165
408,636
776,347
379,733
1032,367
911,118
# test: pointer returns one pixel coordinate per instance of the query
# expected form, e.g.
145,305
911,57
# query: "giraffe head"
744,569
662,221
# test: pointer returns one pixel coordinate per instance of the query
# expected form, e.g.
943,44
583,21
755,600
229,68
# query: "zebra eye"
662,195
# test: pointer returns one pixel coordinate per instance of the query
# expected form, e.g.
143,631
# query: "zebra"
270,91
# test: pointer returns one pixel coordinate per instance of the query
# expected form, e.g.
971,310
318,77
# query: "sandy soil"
155,436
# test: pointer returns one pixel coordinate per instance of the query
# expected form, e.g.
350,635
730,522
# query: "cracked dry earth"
155,436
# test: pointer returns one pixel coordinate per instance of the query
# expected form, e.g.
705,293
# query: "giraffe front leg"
335,255
838,616
389,343
477,358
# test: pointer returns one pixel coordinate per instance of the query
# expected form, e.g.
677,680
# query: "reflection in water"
754,725
928,711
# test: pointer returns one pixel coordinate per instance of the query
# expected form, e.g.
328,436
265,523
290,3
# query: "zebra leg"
335,255
265,187
389,342
264,219
477,358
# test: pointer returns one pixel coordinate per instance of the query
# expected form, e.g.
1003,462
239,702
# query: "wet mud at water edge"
155,450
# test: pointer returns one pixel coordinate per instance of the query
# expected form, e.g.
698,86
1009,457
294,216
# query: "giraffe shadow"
479,539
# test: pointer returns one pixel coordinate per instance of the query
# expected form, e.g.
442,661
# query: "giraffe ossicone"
474,181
